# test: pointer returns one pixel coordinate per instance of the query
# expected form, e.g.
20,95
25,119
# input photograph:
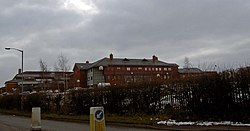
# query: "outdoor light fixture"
8,48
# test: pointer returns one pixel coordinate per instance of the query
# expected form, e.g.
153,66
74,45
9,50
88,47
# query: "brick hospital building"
104,72
117,71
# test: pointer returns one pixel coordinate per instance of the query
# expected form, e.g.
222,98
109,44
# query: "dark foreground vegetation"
222,96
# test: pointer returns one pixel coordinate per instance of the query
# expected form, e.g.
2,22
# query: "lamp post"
78,83
8,48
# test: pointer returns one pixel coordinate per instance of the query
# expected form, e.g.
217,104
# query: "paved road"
17,123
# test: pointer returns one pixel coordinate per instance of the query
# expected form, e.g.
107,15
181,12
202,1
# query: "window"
91,78
128,68
139,68
165,69
153,69
169,69
165,77
156,69
146,68
149,69
134,68
118,68
160,69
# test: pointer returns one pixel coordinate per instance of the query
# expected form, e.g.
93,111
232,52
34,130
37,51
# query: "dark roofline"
111,61
190,70
27,72
12,81
95,64
41,72
84,66
115,61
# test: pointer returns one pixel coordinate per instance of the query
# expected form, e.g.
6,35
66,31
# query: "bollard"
97,119
36,119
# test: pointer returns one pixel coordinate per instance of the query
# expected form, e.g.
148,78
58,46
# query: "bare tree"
44,68
208,66
187,63
62,65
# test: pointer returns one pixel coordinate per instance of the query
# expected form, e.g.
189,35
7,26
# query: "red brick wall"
79,75
120,74
9,87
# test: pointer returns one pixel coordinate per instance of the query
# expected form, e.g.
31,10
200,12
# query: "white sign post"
36,119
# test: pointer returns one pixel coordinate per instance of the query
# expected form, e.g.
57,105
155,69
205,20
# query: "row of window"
141,68
118,77
96,78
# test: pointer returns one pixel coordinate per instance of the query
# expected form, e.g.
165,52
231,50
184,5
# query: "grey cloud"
209,30
30,18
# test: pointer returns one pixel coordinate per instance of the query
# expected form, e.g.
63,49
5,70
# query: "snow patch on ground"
201,123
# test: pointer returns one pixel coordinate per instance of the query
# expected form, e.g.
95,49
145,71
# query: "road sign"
99,115
97,119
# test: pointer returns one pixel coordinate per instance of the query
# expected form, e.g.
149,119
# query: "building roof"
41,73
190,70
12,81
130,62
82,66
37,75
123,62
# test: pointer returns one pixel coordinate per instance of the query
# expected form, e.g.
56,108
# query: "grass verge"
109,118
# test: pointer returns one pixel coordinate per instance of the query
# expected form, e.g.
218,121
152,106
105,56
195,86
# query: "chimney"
19,71
155,58
111,56
87,62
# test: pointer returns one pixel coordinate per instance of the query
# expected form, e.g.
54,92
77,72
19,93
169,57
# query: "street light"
8,48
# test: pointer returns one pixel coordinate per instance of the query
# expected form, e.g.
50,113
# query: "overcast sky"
205,31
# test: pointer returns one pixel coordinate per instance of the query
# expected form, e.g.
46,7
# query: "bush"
225,96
